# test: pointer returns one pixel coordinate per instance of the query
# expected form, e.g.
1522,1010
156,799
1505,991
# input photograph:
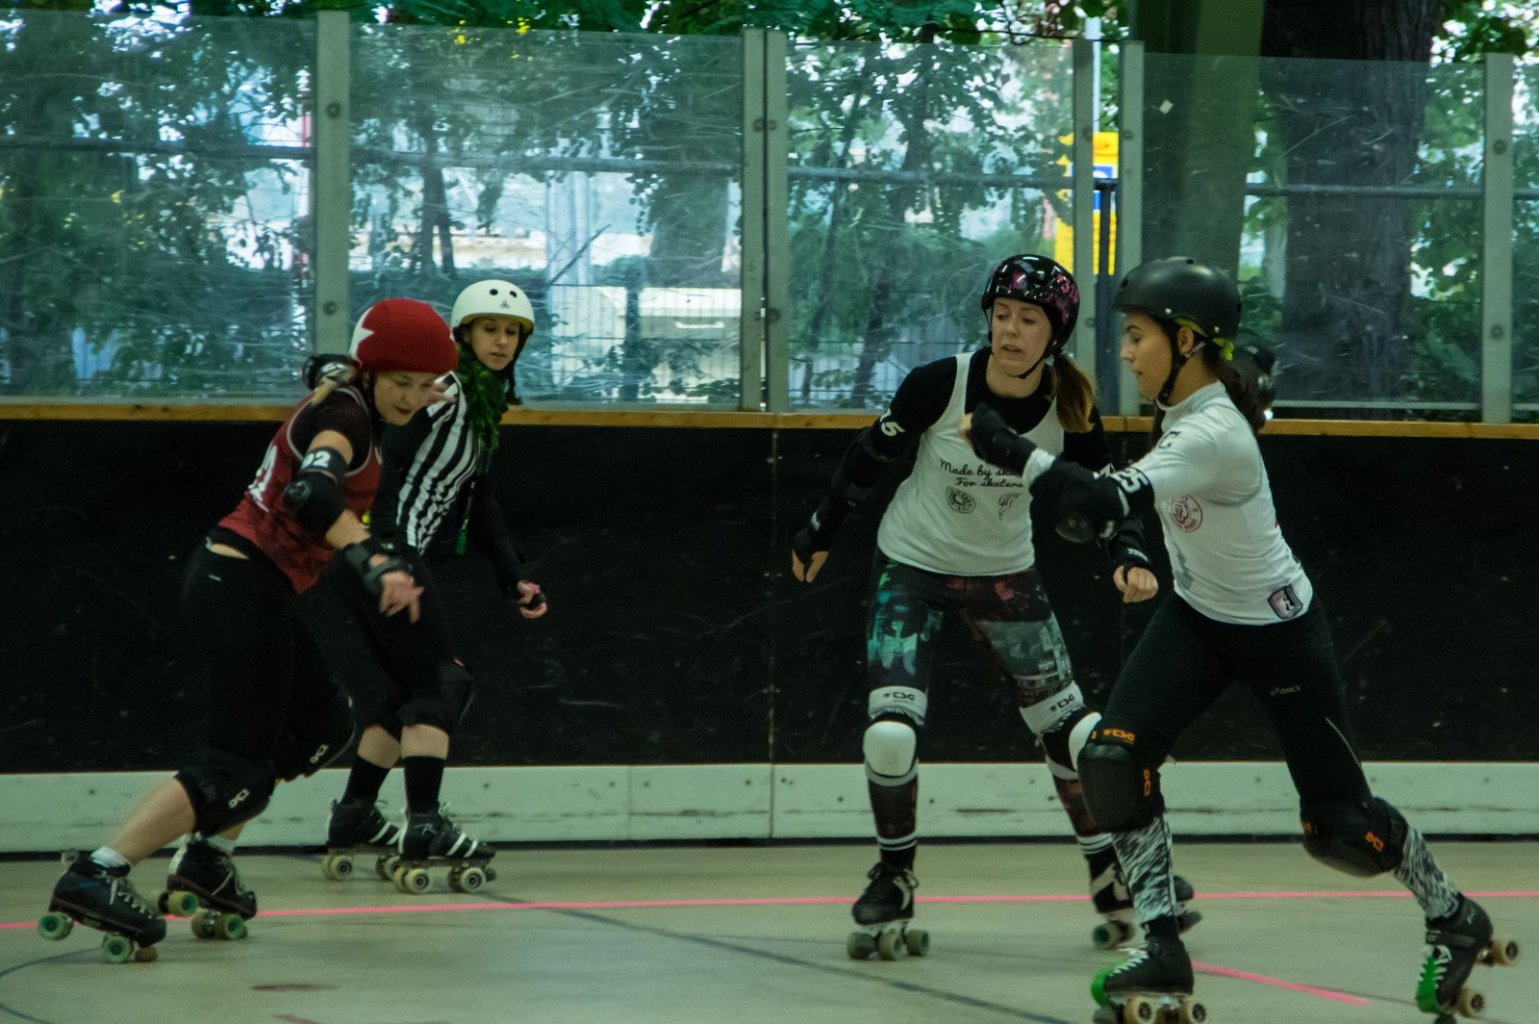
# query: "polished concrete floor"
750,934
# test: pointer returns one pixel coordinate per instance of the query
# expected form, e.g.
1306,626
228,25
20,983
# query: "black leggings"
1185,660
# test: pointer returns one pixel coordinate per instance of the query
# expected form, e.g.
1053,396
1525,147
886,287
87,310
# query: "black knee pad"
318,739
1363,838
1121,789
226,789
444,703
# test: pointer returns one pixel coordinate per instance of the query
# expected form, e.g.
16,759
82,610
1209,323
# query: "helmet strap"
1177,360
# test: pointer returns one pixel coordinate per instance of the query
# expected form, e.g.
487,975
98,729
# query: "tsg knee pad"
890,746
1362,838
1065,740
317,740
444,703
897,702
226,789
1121,789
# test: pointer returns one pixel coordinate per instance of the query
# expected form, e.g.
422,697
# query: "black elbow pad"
314,497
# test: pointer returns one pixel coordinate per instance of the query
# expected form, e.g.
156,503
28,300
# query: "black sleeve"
487,529
398,446
339,411
1091,450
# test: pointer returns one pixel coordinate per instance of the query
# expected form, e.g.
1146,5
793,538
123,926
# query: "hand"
1135,582
398,591
806,572
331,368
531,600
993,439
441,391
1081,505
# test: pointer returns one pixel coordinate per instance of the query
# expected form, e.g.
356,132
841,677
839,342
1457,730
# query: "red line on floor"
1291,986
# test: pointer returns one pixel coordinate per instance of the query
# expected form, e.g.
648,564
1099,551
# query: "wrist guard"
358,557
995,441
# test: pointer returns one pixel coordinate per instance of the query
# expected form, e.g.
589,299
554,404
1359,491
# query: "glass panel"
598,172
913,170
1356,231
154,182
1525,253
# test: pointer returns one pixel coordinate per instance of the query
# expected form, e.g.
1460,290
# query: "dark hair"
1240,386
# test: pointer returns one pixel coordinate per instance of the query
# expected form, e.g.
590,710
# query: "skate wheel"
1472,1003
466,879
385,866
146,954
180,903
1504,952
1111,934
1188,920
54,926
337,866
889,945
230,926
414,880
859,945
205,925
1192,1012
1139,1010
117,949
918,941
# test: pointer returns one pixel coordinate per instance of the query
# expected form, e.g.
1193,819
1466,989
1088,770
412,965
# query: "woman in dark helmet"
1243,609
437,493
274,711
957,539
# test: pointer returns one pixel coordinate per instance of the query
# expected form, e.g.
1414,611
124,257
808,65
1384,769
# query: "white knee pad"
890,748
1044,714
1079,734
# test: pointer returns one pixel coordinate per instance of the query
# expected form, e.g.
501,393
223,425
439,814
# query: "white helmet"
493,298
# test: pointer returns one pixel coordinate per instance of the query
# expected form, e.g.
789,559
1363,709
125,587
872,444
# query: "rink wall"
677,641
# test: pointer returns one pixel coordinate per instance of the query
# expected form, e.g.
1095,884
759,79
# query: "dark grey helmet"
1179,288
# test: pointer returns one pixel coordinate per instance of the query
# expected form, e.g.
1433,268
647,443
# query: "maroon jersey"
261,517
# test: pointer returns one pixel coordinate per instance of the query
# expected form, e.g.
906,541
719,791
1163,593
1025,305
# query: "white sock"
107,857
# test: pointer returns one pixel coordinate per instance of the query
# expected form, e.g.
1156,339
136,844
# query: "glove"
324,367
1080,505
995,441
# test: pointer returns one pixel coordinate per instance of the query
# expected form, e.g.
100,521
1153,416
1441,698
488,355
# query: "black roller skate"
202,882
1153,986
104,899
1459,942
1109,893
884,912
359,828
431,839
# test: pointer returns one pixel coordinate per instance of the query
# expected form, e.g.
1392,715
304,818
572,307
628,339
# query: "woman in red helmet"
957,540
275,713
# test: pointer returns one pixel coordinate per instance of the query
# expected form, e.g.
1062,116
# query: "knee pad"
316,741
226,789
1047,713
898,702
1363,838
444,702
890,746
1121,788
1063,742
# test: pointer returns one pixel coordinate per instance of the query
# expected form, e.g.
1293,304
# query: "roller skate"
104,899
1459,942
430,839
1109,893
359,829
884,912
202,882
1153,986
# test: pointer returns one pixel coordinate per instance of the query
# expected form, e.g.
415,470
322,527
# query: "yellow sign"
1104,157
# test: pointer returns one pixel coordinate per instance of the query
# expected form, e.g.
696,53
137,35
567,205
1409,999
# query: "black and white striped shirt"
432,462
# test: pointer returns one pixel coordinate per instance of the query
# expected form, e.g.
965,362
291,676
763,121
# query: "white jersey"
1227,552
955,514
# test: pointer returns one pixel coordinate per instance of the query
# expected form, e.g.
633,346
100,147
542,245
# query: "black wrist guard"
818,534
324,366
995,441
358,556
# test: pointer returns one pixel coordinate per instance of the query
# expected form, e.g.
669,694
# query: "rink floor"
756,935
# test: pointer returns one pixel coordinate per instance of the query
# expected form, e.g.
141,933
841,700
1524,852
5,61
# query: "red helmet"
396,335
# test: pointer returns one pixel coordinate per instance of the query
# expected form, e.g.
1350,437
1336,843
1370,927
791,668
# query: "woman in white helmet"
437,495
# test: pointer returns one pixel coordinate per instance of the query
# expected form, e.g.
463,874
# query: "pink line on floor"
779,901
1291,986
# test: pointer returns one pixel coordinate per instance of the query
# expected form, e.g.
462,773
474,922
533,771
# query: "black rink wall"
676,633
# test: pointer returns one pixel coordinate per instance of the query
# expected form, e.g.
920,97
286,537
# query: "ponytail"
1074,392
1242,390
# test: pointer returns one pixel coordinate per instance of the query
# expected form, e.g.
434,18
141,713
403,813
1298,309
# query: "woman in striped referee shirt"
437,491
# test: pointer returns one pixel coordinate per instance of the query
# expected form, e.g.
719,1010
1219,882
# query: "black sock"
424,777
364,782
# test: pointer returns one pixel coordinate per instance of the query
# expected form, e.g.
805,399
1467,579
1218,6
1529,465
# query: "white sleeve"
1183,462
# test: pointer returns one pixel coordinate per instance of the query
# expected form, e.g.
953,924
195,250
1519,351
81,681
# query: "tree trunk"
1347,299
